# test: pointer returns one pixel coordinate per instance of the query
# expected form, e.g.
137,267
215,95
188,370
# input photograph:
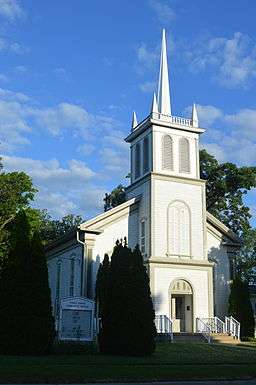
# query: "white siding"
64,258
163,278
164,193
218,254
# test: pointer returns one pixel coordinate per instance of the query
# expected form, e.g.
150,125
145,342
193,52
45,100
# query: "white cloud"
20,69
13,47
60,188
4,78
115,161
147,86
232,59
86,149
64,115
147,58
207,114
230,137
61,73
11,10
164,12
244,121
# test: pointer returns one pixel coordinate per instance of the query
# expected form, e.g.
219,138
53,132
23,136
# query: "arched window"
178,228
184,155
137,160
145,155
167,153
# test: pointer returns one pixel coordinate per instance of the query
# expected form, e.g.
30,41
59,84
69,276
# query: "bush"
125,304
240,306
26,321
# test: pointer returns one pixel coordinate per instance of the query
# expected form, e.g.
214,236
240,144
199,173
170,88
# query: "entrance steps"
188,337
224,338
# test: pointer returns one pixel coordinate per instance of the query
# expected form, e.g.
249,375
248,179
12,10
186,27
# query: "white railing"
232,327
172,119
215,324
204,329
164,325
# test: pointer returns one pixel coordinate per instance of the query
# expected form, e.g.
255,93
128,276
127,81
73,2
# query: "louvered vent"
145,155
184,155
167,153
137,161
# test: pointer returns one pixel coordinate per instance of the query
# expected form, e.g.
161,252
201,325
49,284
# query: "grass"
169,362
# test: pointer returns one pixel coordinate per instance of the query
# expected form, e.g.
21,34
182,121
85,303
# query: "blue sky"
72,72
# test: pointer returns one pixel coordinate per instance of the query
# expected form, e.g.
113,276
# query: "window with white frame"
184,155
178,223
137,160
72,277
145,155
143,237
167,152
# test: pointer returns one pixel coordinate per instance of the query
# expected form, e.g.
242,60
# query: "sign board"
76,319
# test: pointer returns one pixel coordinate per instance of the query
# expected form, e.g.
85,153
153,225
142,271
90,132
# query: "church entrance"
181,306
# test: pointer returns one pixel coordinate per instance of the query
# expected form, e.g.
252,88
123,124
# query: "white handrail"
233,327
204,329
215,324
164,325
173,119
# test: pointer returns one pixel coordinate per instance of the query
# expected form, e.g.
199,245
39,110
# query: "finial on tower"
194,116
154,106
134,120
163,97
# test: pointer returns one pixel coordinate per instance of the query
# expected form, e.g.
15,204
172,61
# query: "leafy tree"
115,198
26,322
51,229
240,306
245,262
16,193
226,186
125,304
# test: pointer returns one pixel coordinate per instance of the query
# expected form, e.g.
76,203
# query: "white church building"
187,251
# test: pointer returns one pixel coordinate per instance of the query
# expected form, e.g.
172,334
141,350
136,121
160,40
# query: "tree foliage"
26,322
240,306
226,186
114,198
52,229
125,304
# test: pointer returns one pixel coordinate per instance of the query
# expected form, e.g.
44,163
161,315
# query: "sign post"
76,322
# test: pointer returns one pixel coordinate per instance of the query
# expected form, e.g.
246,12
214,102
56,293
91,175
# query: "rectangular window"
143,237
57,293
72,277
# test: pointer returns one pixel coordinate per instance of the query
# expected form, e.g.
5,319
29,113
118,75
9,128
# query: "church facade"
187,251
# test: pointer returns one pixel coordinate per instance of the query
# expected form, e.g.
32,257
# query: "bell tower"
165,173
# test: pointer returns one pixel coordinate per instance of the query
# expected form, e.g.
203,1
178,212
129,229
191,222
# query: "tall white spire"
134,120
194,117
154,106
163,97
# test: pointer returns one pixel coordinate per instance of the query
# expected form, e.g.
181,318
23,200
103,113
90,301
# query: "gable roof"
110,215
223,229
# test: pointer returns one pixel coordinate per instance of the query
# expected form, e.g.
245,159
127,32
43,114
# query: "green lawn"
170,361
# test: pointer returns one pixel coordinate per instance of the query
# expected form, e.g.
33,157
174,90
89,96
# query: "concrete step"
188,337
224,339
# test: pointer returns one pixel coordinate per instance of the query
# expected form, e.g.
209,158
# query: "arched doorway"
181,306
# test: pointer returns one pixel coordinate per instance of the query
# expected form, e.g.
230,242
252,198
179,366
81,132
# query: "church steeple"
163,96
